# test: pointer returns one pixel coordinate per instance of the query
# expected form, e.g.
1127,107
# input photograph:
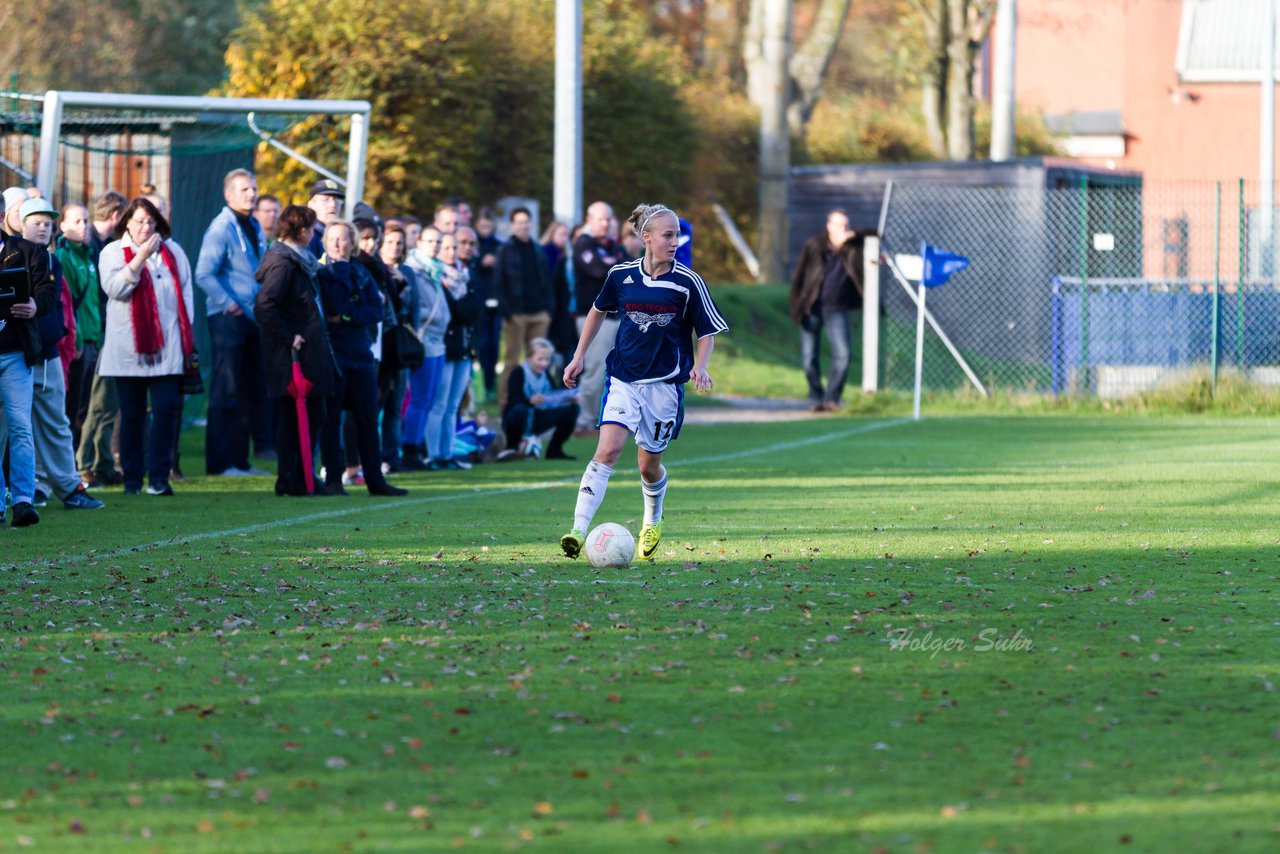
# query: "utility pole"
1003,105
775,141
1267,142
567,171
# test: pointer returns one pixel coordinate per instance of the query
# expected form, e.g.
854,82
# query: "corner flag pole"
915,410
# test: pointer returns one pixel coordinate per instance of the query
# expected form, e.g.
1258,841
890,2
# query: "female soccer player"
662,306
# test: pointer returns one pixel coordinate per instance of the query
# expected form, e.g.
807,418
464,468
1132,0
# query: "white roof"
1221,41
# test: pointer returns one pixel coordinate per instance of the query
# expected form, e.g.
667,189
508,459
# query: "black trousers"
237,386
291,457
142,450
356,393
524,420
81,383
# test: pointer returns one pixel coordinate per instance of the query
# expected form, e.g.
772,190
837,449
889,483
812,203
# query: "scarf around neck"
455,278
308,261
144,311
535,383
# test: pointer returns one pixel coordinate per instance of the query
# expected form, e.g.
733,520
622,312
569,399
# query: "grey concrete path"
740,410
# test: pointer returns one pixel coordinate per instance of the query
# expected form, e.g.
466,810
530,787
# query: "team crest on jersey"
644,320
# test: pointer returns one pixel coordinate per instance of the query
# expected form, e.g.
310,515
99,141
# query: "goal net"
74,146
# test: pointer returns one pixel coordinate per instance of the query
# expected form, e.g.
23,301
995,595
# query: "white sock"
590,493
654,493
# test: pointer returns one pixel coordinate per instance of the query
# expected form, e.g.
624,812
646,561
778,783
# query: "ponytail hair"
644,214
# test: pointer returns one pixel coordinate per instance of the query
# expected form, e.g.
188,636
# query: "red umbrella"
299,385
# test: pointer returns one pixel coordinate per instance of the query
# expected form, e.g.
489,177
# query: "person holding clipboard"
26,292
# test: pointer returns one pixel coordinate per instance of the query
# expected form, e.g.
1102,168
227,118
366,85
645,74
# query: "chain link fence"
1103,289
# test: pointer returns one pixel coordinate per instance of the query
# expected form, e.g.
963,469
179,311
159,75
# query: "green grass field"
968,634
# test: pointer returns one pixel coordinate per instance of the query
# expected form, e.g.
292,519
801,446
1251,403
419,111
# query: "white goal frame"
55,100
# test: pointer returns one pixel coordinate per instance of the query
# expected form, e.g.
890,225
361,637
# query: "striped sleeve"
702,312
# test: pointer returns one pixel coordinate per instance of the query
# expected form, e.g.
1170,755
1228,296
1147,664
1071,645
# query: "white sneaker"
233,472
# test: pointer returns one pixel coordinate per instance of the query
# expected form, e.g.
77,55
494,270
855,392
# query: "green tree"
462,96
169,47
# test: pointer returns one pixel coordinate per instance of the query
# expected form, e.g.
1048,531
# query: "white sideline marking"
455,496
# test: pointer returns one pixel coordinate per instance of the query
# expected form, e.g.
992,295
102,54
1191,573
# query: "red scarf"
148,336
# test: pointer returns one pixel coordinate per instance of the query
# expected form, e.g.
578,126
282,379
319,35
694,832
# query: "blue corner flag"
939,264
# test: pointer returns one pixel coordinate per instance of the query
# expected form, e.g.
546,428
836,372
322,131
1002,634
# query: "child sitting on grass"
533,406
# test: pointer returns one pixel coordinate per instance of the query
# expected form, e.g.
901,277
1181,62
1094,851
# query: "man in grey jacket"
229,255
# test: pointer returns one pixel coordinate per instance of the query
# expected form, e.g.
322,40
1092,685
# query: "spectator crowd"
371,344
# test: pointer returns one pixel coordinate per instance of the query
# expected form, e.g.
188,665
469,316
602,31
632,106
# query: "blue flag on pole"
939,264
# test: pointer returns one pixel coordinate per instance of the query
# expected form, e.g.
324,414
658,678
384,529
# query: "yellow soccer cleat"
572,543
650,536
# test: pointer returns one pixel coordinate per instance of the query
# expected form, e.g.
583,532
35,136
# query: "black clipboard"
15,287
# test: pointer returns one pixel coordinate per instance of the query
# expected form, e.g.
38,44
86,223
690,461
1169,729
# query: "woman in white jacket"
149,338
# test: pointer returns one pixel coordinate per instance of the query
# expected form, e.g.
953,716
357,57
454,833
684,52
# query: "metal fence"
1102,290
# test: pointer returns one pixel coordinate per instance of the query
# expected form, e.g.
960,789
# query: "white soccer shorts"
653,412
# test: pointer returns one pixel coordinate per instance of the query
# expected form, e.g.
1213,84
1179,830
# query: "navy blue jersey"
659,318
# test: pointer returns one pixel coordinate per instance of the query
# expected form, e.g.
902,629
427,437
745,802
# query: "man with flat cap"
326,201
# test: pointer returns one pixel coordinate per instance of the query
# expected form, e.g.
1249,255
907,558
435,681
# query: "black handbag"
409,350
192,382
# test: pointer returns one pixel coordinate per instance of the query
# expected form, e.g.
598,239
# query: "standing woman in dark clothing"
369,231
353,309
289,315
392,373
555,243
489,336
563,332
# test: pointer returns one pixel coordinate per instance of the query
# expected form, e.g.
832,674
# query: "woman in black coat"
353,308
288,311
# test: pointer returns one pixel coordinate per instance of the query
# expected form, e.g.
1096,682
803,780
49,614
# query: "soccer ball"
530,447
610,544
